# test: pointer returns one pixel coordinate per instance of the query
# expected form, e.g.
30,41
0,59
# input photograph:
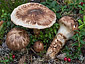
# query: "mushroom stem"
64,33
58,42
36,31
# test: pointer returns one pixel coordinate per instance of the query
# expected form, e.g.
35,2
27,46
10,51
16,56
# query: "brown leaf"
22,60
1,22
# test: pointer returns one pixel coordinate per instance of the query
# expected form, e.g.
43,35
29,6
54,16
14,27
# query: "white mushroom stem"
64,33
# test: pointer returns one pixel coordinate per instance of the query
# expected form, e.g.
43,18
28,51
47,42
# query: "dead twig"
33,51
31,59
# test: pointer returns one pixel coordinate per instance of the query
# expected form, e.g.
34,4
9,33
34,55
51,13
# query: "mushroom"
17,39
34,16
66,31
38,46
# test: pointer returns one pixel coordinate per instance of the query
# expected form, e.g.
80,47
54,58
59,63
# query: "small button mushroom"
38,46
17,39
65,32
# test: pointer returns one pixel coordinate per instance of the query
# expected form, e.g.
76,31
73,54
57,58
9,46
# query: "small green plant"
49,33
73,1
81,23
68,1
45,35
82,9
9,5
4,28
7,59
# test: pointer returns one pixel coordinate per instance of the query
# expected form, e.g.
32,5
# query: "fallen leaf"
1,22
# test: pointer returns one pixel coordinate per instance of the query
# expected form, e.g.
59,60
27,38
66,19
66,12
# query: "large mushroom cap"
69,22
17,39
33,15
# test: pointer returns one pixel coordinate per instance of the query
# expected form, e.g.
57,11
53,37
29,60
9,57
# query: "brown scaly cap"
38,46
33,15
69,22
17,39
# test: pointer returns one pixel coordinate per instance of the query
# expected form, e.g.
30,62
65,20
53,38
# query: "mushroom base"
57,43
